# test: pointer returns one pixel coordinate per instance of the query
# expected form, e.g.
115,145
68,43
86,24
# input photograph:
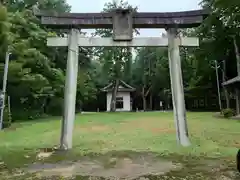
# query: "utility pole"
4,88
218,88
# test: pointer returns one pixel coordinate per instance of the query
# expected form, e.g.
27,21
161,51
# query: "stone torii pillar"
177,87
70,90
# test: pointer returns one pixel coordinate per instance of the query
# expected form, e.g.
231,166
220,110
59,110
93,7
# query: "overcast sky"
84,6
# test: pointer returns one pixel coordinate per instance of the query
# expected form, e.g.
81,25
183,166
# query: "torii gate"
123,21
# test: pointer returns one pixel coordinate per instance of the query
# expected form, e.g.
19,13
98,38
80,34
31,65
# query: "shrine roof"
123,87
233,81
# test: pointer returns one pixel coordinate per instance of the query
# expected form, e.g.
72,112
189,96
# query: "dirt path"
135,166
108,166
127,165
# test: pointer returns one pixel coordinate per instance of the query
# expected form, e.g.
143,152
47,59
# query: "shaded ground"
118,165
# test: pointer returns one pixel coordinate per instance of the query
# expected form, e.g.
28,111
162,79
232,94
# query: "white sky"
84,6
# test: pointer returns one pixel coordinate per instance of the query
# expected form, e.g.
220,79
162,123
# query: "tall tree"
150,73
222,31
116,61
32,71
4,29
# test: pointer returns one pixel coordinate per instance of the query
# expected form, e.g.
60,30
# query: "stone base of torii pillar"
74,40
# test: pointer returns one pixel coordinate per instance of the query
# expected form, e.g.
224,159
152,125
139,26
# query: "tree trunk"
114,95
226,97
226,94
166,106
238,71
144,99
237,55
144,103
237,102
151,102
45,105
144,96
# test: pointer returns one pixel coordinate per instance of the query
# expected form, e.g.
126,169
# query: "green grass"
104,132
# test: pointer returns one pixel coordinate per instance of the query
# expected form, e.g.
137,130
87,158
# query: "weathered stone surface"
140,20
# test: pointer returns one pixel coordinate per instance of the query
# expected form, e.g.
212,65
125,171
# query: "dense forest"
37,73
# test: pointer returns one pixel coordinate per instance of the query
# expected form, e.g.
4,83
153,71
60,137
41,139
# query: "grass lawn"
213,140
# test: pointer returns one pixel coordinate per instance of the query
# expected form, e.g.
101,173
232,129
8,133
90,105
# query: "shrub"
55,106
227,113
25,114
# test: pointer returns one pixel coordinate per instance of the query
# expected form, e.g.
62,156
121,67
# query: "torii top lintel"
184,19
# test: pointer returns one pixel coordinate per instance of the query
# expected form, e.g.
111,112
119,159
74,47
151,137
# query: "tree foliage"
35,70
